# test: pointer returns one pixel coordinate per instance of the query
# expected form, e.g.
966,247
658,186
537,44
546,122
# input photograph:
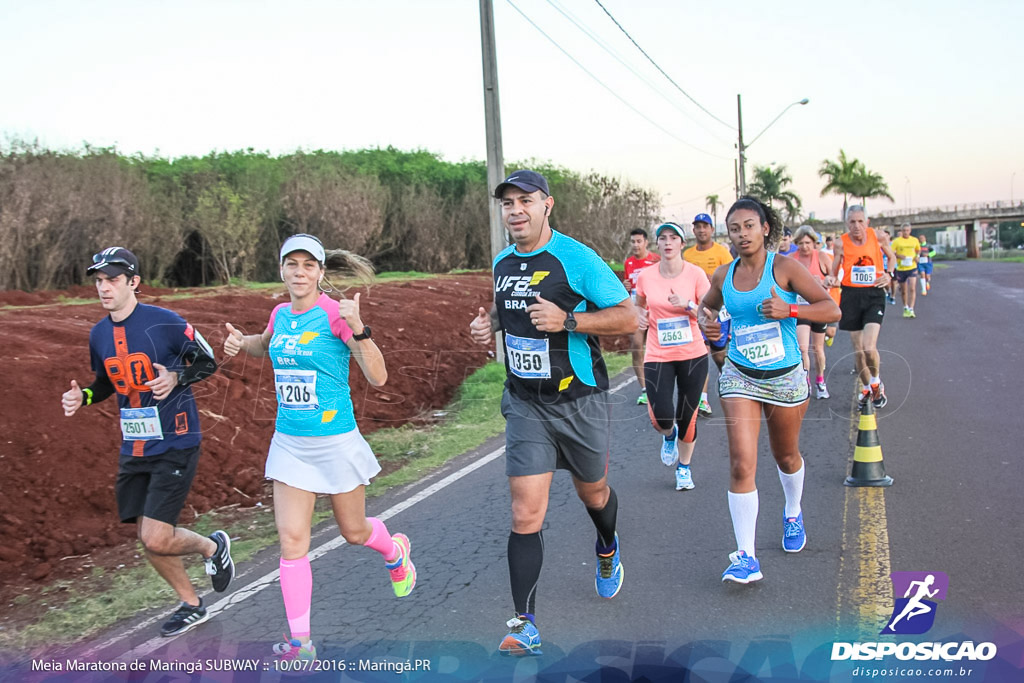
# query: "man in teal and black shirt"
552,297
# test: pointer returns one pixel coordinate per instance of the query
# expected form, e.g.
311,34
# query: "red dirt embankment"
57,482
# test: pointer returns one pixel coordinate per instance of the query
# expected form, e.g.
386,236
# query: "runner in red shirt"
638,259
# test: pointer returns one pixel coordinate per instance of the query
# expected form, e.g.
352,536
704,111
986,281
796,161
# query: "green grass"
72,611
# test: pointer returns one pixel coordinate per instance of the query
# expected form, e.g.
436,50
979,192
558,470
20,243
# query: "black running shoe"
878,398
220,566
184,619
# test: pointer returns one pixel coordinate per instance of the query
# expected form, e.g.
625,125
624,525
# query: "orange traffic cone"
868,468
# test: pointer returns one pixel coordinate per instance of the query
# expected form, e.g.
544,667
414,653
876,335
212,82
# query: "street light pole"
743,156
743,147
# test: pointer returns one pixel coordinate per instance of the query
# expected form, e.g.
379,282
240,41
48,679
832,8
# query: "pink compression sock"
297,589
380,540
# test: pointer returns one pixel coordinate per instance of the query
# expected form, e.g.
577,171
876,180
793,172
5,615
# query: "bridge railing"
953,208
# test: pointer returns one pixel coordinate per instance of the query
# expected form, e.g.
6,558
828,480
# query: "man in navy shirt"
552,296
149,357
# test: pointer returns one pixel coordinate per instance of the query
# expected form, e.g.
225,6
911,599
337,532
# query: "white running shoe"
670,448
684,480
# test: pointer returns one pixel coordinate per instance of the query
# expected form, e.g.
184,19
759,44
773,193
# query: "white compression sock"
793,487
743,509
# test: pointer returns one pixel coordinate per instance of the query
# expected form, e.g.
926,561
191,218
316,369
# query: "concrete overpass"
970,216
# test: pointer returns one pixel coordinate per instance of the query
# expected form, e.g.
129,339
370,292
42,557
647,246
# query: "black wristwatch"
365,334
570,322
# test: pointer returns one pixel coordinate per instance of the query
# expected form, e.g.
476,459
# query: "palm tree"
711,201
868,185
841,177
769,186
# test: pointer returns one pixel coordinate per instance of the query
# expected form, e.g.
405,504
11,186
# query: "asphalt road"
951,438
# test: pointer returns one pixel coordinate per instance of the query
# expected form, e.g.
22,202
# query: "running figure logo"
915,612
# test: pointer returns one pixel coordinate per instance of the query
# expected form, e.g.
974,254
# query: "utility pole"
492,119
743,155
736,179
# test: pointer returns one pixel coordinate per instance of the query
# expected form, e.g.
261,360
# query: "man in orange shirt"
708,255
864,282
639,259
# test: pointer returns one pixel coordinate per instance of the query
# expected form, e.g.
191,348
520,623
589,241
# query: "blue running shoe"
609,573
794,537
522,639
743,569
670,448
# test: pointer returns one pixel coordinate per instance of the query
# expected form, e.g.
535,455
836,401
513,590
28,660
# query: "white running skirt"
321,464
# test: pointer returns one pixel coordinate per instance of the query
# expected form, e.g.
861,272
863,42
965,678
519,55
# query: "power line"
701,196
610,90
607,48
729,125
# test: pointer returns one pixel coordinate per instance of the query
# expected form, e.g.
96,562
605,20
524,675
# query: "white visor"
303,243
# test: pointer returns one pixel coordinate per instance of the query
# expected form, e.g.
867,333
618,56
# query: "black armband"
202,364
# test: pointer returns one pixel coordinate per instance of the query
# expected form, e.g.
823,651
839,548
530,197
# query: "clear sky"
927,93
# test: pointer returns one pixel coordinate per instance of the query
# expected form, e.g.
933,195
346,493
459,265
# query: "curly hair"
767,215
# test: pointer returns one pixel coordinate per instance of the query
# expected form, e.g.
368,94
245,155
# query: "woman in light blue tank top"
763,372
317,447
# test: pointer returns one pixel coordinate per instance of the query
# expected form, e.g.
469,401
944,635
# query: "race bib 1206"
296,389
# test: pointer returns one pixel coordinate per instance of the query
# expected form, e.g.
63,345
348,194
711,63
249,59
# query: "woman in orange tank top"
811,336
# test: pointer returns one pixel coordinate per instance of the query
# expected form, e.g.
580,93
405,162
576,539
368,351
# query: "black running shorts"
904,275
155,486
819,328
860,306
570,436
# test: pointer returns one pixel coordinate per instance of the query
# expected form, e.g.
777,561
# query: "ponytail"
342,263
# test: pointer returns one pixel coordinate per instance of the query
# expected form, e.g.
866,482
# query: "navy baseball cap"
114,261
703,218
528,181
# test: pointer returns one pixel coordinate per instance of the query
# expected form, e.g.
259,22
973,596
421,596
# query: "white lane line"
144,649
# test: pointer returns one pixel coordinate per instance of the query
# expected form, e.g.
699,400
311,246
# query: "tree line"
843,176
222,217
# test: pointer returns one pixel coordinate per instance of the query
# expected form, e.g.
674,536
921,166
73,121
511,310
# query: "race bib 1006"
528,358
674,331
141,424
761,344
296,389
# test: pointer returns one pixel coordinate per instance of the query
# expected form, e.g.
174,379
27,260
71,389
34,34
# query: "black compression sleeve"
100,389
